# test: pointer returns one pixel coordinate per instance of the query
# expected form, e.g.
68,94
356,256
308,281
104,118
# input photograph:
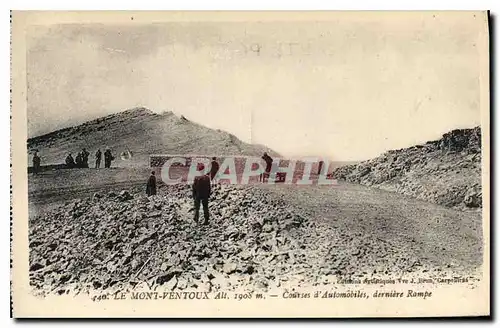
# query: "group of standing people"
202,186
82,159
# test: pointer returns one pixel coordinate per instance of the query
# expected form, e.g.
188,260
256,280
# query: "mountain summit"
140,132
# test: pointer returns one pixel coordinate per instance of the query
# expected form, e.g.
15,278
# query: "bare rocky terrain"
260,237
124,239
96,230
445,171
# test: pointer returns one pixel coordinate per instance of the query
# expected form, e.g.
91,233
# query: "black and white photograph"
251,164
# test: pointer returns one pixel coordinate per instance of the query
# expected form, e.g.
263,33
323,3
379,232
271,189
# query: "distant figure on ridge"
36,163
108,158
214,168
85,158
269,163
151,185
98,156
70,161
201,194
79,160
320,166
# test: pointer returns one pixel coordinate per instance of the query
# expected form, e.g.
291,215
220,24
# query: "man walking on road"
201,194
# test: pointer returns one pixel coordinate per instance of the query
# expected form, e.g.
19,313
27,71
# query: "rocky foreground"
255,241
445,171
122,239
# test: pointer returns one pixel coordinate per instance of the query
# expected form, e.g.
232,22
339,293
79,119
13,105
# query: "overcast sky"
348,89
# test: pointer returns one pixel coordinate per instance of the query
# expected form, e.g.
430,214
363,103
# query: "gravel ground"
120,240
260,237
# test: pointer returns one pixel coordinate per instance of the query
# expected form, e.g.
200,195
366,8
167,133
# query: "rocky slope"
256,241
142,132
122,239
445,171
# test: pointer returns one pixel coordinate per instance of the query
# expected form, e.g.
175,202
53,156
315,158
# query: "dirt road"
51,188
431,234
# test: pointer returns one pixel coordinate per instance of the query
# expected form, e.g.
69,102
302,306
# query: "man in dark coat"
36,163
151,185
201,194
108,157
98,156
70,161
214,168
